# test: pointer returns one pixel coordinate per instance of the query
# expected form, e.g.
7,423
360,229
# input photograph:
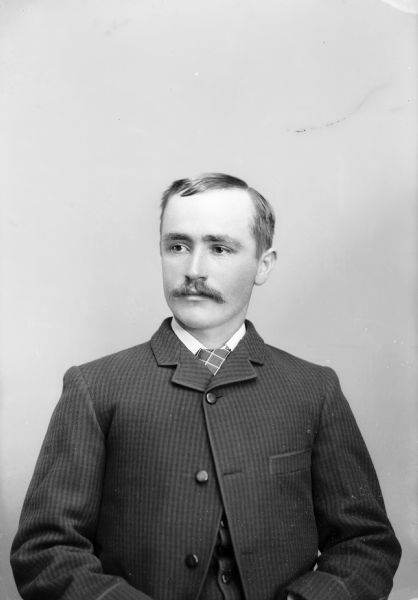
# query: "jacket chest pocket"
290,462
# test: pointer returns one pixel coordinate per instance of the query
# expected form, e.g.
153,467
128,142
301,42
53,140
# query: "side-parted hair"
262,226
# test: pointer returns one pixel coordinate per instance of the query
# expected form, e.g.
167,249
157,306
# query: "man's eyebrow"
212,238
169,237
222,239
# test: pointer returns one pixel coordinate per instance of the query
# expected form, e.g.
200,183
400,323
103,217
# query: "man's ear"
265,264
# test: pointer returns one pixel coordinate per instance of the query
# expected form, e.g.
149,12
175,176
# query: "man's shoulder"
119,356
142,354
288,363
287,358
278,358
118,363
298,374
133,362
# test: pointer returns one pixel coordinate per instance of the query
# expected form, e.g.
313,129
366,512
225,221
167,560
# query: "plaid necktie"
213,359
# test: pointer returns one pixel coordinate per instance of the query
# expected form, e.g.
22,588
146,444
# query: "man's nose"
197,265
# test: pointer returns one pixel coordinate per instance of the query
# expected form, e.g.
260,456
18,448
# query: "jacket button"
211,398
226,577
202,477
191,561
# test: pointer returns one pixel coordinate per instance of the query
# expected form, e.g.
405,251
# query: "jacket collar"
192,373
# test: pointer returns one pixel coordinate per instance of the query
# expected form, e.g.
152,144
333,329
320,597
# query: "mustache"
198,288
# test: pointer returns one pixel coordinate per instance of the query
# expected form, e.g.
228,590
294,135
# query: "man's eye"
178,248
221,250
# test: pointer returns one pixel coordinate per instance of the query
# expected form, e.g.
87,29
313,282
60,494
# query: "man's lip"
197,296
192,295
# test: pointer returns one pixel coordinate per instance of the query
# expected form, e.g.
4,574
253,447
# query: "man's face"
209,258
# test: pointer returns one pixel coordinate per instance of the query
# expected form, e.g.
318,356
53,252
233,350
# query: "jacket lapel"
170,352
192,373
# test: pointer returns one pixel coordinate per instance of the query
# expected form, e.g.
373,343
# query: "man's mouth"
193,296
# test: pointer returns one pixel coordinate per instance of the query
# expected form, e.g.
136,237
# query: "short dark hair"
264,220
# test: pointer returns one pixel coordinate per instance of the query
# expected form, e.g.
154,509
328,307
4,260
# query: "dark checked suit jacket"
114,509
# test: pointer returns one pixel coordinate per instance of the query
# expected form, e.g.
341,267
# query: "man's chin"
197,315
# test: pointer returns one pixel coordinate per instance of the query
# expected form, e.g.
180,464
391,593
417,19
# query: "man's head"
216,235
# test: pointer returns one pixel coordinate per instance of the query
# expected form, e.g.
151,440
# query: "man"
205,464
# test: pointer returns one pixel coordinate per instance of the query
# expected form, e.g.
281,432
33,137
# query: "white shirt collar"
194,345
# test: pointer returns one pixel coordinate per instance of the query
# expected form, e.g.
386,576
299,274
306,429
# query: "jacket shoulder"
106,382
286,359
299,369
118,365
127,355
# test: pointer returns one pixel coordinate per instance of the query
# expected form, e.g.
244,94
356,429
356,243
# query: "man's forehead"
214,204
210,216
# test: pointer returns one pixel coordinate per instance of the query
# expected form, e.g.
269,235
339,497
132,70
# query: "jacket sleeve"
53,551
359,552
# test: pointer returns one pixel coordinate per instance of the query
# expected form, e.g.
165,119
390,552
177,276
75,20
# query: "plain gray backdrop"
313,102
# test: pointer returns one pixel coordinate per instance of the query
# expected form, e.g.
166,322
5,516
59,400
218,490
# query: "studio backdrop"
312,102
